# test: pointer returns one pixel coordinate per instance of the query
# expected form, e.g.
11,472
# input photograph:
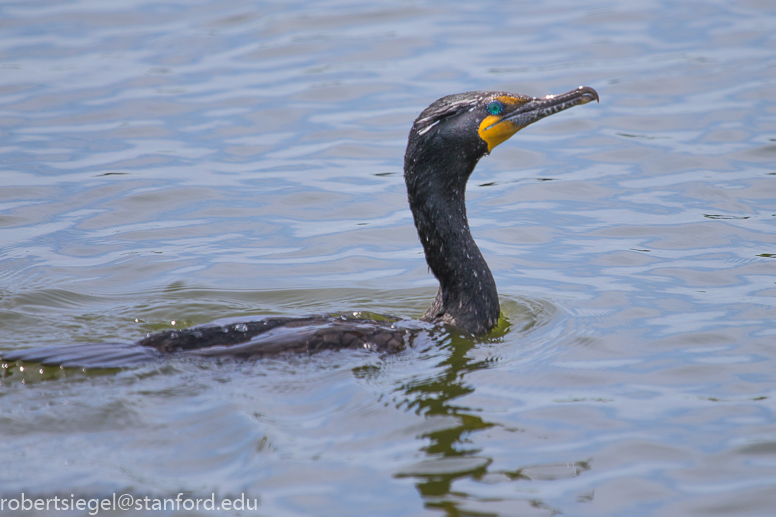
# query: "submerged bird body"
237,339
445,143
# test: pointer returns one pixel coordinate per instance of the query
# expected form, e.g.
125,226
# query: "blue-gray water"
164,164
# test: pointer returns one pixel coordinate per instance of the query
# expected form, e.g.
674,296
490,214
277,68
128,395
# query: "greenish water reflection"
436,396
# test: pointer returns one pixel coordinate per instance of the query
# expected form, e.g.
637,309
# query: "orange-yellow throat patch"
493,131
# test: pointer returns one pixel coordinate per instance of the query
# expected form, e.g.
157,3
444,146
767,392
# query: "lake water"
164,164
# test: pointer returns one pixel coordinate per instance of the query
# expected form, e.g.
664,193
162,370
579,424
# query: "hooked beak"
521,111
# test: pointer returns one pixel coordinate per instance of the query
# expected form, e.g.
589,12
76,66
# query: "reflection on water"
166,165
450,452
451,457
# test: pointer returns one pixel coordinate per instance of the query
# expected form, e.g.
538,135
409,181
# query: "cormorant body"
445,143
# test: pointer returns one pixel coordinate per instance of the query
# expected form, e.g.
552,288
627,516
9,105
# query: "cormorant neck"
436,185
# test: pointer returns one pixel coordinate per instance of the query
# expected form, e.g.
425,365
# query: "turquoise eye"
495,107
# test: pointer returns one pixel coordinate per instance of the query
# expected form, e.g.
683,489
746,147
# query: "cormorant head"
469,125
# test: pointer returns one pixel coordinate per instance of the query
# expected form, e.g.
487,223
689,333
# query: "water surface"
163,165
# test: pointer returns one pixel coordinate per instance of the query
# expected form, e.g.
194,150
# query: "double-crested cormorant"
445,144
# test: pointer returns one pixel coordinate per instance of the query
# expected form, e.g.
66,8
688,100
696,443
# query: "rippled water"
166,164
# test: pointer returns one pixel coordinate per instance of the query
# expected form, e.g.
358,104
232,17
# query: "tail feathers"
89,355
